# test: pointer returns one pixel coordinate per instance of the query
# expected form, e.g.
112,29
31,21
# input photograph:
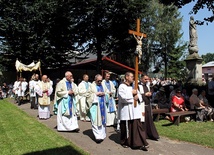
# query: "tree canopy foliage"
50,30
165,45
33,30
199,5
208,57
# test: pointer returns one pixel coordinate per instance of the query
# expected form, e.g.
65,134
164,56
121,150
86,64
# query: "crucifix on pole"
138,53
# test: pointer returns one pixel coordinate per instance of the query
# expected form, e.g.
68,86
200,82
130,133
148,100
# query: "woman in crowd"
208,109
178,102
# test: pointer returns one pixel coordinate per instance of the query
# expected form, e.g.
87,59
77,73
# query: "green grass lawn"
22,134
195,132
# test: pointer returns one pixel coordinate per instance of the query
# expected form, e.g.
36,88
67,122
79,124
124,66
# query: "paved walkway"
110,145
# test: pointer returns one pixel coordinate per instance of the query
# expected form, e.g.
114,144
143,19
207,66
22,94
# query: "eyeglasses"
99,81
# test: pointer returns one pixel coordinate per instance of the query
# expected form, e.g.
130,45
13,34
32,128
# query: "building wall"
208,70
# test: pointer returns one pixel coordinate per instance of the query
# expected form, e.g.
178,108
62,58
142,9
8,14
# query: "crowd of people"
174,96
6,90
106,103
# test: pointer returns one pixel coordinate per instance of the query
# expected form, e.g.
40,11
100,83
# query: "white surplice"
83,90
126,109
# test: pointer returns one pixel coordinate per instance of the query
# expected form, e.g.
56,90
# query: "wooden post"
40,70
137,33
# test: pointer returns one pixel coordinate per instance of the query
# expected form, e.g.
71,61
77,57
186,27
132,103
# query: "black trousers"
20,100
211,100
33,103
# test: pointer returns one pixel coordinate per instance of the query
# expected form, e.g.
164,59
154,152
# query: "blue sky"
205,32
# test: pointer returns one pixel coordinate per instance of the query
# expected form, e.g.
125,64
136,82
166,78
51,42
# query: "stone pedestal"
194,67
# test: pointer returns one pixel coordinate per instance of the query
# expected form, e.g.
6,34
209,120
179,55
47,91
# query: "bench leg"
156,117
176,120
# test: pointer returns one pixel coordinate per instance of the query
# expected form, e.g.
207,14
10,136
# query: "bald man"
97,108
44,90
65,104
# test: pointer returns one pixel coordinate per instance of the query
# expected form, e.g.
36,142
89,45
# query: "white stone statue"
193,37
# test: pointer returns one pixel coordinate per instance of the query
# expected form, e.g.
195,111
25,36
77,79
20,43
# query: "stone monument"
193,60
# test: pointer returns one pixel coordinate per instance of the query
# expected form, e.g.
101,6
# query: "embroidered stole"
111,102
44,100
70,98
102,104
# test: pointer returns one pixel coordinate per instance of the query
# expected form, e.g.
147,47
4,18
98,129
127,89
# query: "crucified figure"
138,50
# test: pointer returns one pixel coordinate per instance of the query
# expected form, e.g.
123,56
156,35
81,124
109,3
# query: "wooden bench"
157,112
178,114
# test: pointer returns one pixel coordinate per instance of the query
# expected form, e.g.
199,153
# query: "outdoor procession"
106,77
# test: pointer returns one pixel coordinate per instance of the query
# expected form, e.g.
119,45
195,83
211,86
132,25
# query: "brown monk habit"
137,135
149,126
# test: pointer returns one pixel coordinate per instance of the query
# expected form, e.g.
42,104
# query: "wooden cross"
137,33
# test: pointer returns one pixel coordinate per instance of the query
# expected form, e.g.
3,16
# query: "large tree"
104,26
50,29
33,30
208,57
165,47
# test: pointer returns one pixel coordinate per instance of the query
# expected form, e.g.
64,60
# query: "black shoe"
143,148
99,141
125,146
77,130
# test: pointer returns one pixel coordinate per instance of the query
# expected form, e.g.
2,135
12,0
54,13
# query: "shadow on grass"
66,150
168,124
173,123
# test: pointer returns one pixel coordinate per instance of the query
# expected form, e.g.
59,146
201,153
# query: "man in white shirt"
21,87
15,90
32,85
132,132
44,90
111,105
65,104
97,108
83,90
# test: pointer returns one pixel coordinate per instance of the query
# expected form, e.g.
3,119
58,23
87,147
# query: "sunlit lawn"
22,134
195,132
